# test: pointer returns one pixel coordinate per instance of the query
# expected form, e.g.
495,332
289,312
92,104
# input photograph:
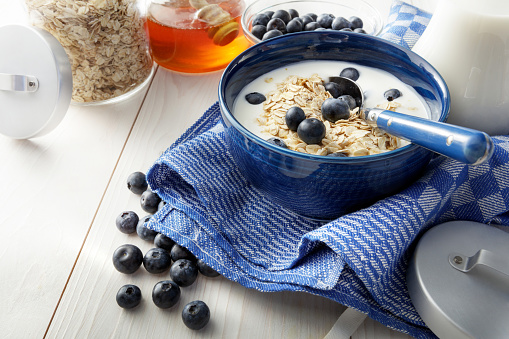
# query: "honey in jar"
195,36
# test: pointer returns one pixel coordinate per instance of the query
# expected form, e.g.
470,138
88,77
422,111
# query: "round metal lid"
458,280
35,82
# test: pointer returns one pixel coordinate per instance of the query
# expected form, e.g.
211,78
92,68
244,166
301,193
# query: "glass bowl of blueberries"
265,19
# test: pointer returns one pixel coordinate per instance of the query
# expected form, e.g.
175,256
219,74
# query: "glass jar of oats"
105,41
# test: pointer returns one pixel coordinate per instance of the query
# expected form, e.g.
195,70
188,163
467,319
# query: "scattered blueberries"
165,294
128,296
350,73
179,252
392,94
268,25
335,109
162,241
333,88
137,182
149,201
196,315
143,232
206,270
184,272
276,141
127,221
255,98
127,258
311,131
294,116
157,260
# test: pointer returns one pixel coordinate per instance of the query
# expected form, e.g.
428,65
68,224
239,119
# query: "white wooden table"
60,195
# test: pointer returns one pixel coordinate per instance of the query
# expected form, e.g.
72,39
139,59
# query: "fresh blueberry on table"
258,31
294,26
127,221
157,260
127,258
392,94
294,116
128,296
137,182
339,23
283,15
335,109
325,20
311,131
162,241
356,22
143,232
196,315
165,294
179,252
206,270
350,73
149,201
255,98
277,142
184,272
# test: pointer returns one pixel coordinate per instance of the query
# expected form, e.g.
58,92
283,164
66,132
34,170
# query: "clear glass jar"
195,36
105,41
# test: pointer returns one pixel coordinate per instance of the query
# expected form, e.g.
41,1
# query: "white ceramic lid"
458,280
35,82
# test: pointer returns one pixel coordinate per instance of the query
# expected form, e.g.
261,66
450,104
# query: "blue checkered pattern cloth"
358,260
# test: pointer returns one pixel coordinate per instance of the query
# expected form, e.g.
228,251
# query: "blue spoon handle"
460,143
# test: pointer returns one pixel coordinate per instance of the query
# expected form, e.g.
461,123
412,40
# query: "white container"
468,43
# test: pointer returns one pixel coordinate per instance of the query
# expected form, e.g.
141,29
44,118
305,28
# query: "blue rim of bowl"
245,23
324,158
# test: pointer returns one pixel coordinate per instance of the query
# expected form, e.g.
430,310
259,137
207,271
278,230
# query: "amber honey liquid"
181,42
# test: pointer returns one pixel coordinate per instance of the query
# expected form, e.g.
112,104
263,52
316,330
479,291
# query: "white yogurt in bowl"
301,84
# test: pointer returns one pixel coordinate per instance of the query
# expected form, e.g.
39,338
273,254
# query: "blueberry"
355,22
294,116
312,26
338,154
352,103
255,98
258,31
339,23
184,272
283,15
277,142
127,258
333,88
144,232
311,131
293,13
347,29
276,24
294,26
165,294
269,13
162,241
360,30
312,16
325,20
350,73
178,252
271,34
129,296
335,109
206,270
260,19
127,221
149,201
137,182
306,19
161,205
392,94
196,315
157,260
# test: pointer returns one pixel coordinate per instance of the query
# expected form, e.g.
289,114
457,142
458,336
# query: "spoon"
460,143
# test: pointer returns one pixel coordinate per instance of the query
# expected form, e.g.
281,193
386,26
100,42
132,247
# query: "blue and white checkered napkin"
358,260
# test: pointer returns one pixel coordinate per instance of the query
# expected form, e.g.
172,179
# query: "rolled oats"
104,40
354,136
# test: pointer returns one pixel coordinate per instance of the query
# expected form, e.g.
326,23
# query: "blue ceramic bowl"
321,187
